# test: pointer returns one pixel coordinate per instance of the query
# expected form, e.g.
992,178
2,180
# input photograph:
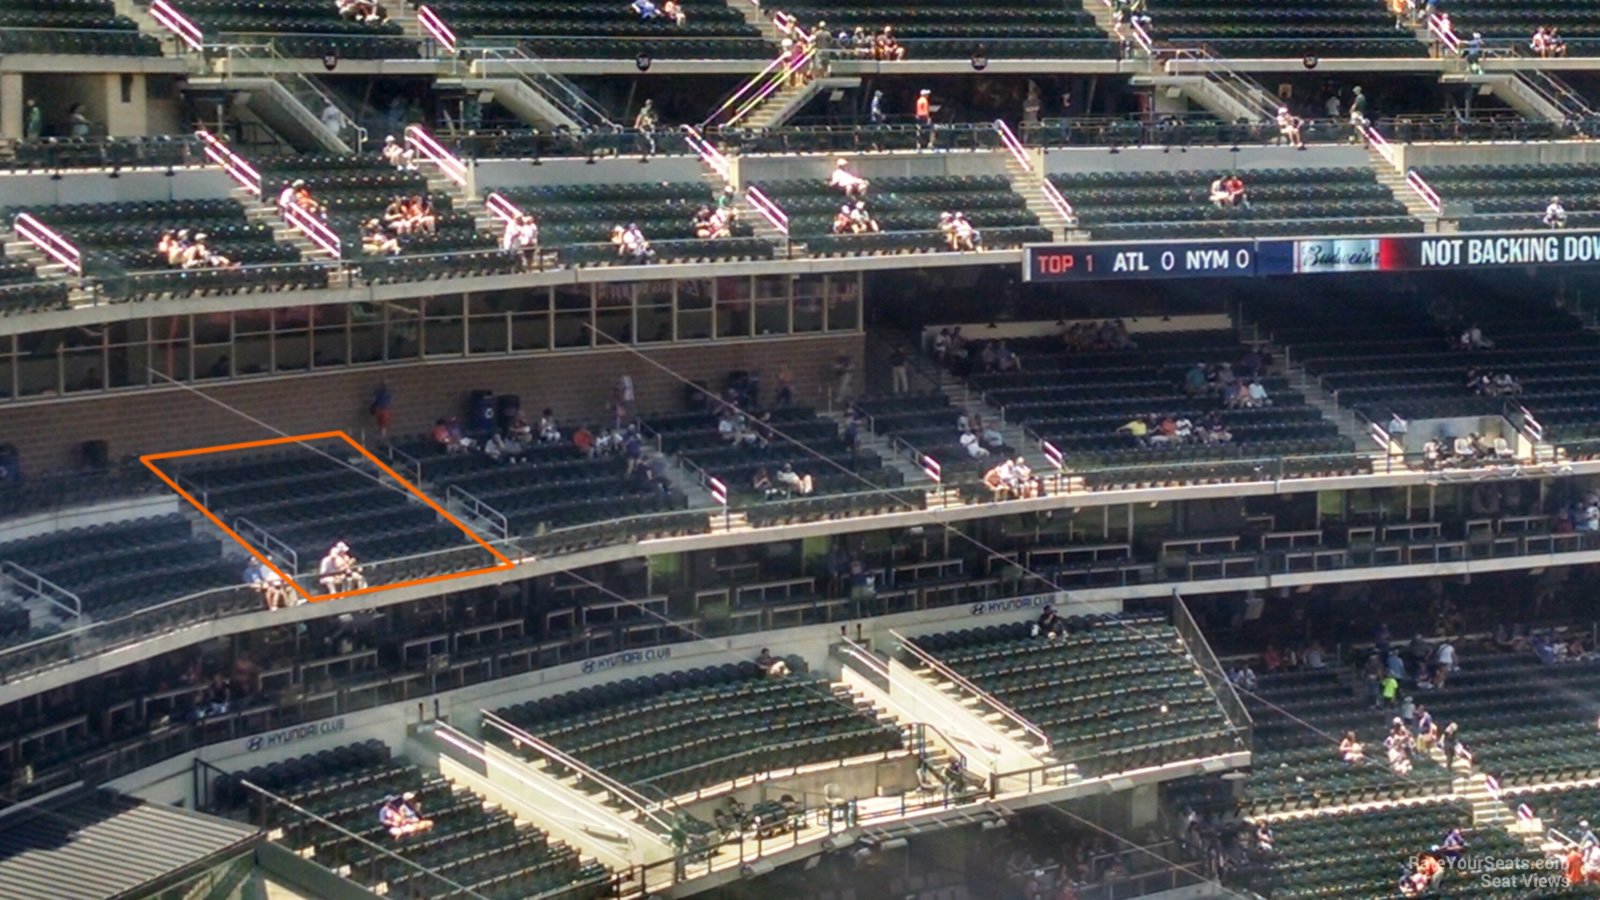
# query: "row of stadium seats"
673,734
1110,692
471,844
1513,197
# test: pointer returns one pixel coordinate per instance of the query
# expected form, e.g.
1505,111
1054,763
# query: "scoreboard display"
1161,259
1308,256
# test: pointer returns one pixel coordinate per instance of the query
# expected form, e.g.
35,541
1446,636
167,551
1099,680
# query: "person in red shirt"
924,115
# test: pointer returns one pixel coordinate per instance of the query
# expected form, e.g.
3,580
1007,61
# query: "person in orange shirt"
1574,866
924,114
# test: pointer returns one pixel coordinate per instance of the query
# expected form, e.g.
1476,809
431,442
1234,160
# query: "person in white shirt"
795,482
973,446
1289,127
286,197
1219,194
1258,395
1555,215
522,237
399,155
853,185
339,571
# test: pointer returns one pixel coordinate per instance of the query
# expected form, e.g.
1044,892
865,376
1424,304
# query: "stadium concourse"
797,449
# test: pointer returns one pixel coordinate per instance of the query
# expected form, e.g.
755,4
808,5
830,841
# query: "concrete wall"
1204,159
1417,155
490,174
876,165
24,190
49,433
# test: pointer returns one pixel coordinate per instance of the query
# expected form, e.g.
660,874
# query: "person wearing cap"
853,185
794,482
1555,214
339,571
289,196
1472,52
1049,625
924,117
1358,108
399,816
399,155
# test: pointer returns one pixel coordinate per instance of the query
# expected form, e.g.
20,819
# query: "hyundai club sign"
1160,259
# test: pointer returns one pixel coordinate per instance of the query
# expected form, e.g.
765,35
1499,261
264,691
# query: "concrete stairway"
777,108
1029,184
1396,182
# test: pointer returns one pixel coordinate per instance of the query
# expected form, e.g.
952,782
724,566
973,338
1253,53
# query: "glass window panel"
213,328
366,343
808,293
530,332
488,334
614,326
572,329
653,312
733,307
772,317
330,347
695,293
84,370
292,351
37,374
694,325
443,333
252,355
844,303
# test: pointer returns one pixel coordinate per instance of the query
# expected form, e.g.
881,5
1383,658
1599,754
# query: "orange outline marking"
149,461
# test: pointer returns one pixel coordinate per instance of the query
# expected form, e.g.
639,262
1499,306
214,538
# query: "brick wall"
577,386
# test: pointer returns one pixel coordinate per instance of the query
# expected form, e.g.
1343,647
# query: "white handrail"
765,206
1053,194
175,22
1009,138
436,27
1425,190
1380,145
983,695
49,242
1445,34
452,167
710,155
503,209
315,230
235,165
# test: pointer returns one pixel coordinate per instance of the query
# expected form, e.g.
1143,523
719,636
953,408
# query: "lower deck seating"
591,29
309,28
907,210
1317,28
72,27
122,567
310,501
1513,197
482,848
1156,205
671,734
577,220
1114,694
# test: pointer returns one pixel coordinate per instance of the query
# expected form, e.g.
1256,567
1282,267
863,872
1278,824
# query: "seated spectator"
1555,215
275,592
400,816
549,428
631,244
298,195
399,155
971,443
1050,625
198,256
853,185
583,441
771,665
1289,127
842,223
795,483
1350,749
673,10
645,9
861,221
1136,427
339,570
1219,193
885,47
447,435
375,241
998,480
1238,195
762,484
420,215
366,11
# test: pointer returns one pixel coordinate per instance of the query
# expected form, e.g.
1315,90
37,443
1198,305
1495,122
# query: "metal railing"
36,585
311,94
1556,92
983,696
436,27
1206,662
237,167
623,794
555,88
313,229
177,23
269,544
479,509
1424,190
1248,93
774,214
708,154
431,150
49,242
